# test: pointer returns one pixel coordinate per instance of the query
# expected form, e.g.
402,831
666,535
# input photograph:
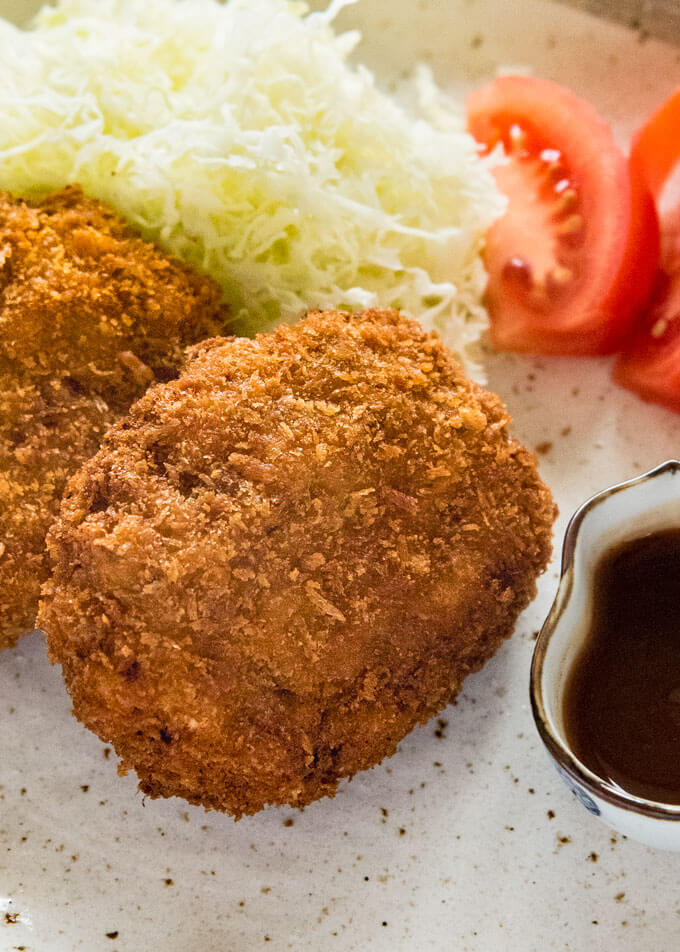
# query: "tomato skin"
612,267
655,148
650,366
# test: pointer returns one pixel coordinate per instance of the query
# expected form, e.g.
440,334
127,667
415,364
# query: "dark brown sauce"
622,698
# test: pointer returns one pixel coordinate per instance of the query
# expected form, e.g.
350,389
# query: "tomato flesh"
650,366
572,262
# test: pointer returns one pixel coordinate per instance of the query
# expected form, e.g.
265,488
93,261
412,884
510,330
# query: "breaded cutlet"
90,316
281,562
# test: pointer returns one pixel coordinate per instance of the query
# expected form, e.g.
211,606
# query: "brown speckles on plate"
440,730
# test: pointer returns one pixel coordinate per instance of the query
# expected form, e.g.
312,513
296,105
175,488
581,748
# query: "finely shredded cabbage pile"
239,137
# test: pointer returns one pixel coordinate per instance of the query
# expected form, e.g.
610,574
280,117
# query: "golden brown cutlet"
282,561
90,315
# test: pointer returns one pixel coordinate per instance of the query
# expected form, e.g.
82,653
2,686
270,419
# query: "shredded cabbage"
240,137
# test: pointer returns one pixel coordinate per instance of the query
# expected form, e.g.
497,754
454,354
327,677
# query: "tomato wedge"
655,149
650,364
572,262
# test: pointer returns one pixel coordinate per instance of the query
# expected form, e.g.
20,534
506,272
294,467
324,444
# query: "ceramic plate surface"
466,840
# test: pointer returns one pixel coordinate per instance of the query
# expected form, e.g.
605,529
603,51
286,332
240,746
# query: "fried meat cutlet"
284,560
90,315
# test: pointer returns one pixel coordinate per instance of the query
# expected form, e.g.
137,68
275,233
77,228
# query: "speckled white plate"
466,840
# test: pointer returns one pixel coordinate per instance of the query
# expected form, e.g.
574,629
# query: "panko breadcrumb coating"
284,560
90,315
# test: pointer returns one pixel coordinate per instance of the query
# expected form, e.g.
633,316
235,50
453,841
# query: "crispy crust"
90,315
281,562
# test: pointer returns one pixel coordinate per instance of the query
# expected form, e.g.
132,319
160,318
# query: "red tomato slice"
656,147
572,262
651,364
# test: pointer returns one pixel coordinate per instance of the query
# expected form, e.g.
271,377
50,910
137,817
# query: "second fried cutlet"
90,315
